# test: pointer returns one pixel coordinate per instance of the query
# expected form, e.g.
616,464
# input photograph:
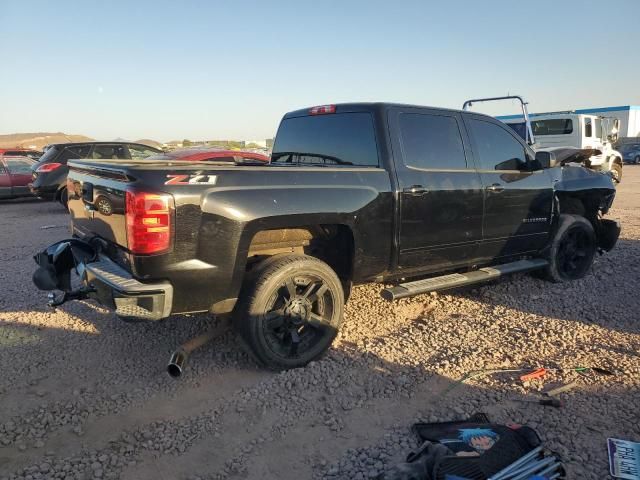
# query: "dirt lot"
83,395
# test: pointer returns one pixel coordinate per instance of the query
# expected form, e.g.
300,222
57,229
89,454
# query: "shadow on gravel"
354,402
607,297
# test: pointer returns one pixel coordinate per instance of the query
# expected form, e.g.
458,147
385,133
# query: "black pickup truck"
418,198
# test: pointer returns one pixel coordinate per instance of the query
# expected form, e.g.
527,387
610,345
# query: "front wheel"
572,250
616,172
290,310
636,160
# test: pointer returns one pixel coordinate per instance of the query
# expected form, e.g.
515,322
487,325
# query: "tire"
573,249
616,170
636,160
289,311
63,198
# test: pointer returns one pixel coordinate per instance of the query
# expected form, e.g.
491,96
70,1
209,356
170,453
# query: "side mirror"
545,160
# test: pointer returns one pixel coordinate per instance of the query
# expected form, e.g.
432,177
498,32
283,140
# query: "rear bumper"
116,289
102,279
46,193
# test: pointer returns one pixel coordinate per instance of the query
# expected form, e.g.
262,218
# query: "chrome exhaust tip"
177,363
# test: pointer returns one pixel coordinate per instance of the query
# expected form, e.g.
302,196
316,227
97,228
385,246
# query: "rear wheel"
63,197
636,160
290,310
572,249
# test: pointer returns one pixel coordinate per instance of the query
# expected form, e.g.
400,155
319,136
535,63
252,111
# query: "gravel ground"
84,395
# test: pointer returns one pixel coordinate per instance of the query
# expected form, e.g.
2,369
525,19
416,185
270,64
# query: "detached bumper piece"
101,279
454,280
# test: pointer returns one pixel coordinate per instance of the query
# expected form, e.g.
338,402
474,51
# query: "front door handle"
495,188
417,190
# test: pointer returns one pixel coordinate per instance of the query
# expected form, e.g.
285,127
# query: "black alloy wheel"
289,310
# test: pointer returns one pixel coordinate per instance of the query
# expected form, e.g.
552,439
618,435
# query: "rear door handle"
416,190
495,188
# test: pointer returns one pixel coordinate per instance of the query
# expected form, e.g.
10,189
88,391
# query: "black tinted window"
497,149
556,126
588,130
331,139
431,141
70,153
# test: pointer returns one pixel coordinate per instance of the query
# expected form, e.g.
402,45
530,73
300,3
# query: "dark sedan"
630,152
50,173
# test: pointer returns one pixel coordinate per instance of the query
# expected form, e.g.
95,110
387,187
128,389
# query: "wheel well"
333,244
586,206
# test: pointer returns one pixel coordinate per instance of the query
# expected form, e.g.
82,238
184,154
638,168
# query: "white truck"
569,129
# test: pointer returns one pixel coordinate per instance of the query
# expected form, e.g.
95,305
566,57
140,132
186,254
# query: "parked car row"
48,177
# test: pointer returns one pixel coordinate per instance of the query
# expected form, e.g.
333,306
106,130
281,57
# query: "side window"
16,166
70,153
431,142
497,149
110,152
598,123
587,128
138,152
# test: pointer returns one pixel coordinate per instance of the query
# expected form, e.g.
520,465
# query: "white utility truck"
569,129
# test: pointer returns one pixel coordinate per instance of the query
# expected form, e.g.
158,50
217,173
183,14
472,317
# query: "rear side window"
497,149
110,152
71,153
431,142
556,126
332,139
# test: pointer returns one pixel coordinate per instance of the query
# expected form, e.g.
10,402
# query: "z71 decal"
183,179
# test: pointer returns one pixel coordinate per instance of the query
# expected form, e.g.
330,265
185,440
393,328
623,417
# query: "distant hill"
39,140
151,143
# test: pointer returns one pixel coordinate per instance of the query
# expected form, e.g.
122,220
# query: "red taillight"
48,167
149,222
322,109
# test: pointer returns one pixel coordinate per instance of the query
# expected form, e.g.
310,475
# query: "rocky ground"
83,395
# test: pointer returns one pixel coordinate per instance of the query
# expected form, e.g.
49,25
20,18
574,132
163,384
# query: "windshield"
555,126
326,140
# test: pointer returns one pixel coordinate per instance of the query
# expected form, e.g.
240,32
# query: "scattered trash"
624,459
47,227
537,373
561,389
475,449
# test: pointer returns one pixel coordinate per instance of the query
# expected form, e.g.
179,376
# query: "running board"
454,280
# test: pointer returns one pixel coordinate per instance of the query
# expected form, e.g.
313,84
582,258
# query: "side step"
454,280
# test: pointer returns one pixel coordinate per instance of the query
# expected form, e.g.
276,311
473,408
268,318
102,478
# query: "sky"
170,70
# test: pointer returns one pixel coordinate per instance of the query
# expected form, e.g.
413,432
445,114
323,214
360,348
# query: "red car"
20,152
210,154
15,176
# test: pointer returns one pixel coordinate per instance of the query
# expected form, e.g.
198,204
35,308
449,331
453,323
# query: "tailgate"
97,200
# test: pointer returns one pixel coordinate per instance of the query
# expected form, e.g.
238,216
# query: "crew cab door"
440,191
517,195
